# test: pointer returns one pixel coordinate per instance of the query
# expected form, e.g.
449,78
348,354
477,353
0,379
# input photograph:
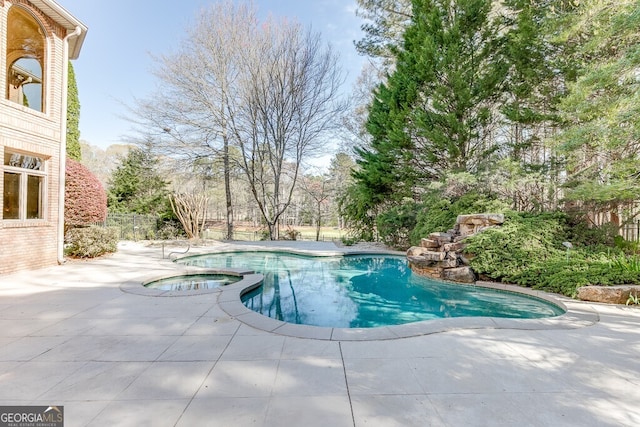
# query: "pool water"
363,291
193,282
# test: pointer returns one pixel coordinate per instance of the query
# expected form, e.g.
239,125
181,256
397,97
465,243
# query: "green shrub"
627,263
527,250
565,277
437,213
348,241
91,242
395,225
626,246
170,230
263,234
581,234
524,240
291,234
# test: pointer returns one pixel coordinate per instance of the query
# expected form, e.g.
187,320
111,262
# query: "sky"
116,59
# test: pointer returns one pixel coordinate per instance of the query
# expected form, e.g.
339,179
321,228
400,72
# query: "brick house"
37,39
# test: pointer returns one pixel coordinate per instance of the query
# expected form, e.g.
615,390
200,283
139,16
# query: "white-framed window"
24,186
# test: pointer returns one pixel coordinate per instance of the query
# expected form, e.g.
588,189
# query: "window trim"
23,196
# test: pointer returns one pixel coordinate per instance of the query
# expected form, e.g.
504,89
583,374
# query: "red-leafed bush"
85,198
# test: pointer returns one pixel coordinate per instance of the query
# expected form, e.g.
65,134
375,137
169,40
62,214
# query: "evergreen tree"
600,140
532,80
527,171
457,49
73,117
383,31
385,169
434,116
136,186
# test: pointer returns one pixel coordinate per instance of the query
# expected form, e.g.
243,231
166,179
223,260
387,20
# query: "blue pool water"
363,291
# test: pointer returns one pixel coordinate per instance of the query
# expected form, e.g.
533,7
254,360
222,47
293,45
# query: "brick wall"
32,244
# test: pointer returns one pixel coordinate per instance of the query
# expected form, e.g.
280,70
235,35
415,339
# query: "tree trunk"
274,230
318,222
227,187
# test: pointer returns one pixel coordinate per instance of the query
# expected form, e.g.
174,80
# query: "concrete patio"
70,335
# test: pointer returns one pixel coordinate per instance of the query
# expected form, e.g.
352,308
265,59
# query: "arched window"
25,59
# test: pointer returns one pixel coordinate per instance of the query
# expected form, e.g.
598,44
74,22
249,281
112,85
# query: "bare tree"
271,88
290,105
318,189
191,210
189,116
354,120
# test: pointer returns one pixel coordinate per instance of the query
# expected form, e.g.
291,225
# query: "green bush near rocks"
528,250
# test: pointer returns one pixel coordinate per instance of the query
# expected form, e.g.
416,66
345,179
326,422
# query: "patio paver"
69,335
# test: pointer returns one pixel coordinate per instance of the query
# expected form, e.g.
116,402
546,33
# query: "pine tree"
530,107
386,22
457,50
601,136
434,115
136,186
527,172
385,168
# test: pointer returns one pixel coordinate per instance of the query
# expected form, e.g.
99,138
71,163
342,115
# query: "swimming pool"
363,291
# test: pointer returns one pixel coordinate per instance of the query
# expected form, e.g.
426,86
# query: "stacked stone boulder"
608,294
440,255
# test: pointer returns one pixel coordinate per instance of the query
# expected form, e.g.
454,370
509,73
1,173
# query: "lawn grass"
247,233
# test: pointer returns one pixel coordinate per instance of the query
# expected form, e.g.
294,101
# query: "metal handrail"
175,252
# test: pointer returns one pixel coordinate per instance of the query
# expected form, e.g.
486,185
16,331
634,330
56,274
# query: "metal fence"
133,226
631,232
145,227
253,236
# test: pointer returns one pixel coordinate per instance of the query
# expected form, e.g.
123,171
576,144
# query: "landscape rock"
441,237
607,294
471,224
481,219
429,244
459,274
449,263
434,256
464,260
440,255
455,247
428,271
416,251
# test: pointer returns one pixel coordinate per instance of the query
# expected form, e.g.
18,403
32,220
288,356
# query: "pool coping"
229,300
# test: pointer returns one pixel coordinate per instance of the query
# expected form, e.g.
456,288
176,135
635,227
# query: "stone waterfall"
440,255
